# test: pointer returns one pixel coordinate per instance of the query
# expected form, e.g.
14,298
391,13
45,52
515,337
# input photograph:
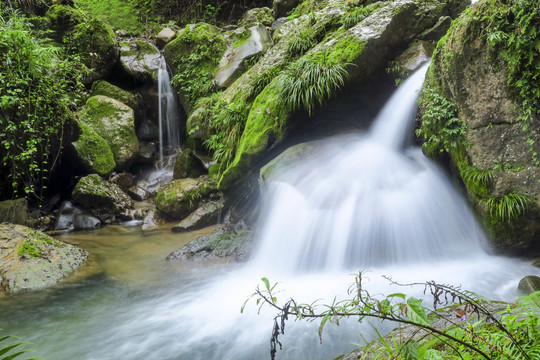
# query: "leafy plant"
508,207
15,349
501,166
310,81
476,180
515,336
301,42
351,18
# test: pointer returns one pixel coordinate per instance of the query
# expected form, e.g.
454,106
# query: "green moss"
94,151
36,244
64,18
102,87
347,49
240,39
144,48
118,13
194,57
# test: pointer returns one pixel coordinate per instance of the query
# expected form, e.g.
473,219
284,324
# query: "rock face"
224,242
104,200
88,37
71,217
31,260
179,198
115,123
14,211
472,79
257,16
140,60
102,87
243,44
208,213
383,31
92,151
187,165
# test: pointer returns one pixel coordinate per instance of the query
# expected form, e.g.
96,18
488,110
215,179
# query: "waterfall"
363,200
169,117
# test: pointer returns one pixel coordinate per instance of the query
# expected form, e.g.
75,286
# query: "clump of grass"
300,43
508,207
310,81
476,180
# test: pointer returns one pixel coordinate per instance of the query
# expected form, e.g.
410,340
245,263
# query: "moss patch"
347,49
93,151
118,13
35,244
104,88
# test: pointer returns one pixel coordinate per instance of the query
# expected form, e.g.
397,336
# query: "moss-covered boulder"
187,165
91,38
14,211
257,16
102,87
140,60
222,243
360,39
179,198
32,260
481,110
103,199
92,151
208,213
194,57
115,123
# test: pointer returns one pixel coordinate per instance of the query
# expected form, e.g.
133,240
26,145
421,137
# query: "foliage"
14,348
310,81
301,42
397,71
478,181
501,166
37,90
353,17
508,207
441,128
514,336
36,244
118,13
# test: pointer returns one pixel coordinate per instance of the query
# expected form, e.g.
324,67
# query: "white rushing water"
357,202
169,116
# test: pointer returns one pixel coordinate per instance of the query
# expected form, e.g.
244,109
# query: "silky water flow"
362,202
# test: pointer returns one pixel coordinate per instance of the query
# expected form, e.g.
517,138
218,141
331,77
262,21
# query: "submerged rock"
102,199
179,198
223,242
208,213
140,60
32,260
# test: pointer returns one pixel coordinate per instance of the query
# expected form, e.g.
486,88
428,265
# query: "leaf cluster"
508,207
12,351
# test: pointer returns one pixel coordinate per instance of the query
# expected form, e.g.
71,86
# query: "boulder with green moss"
102,87
208,213
90,38
103,199
140,60
257,16
14,211
179,198
115,123
194,57
92,151
484,117
362,44
225,242
32,260
187,165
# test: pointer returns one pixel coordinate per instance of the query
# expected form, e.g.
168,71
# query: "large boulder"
194,57
179,198
362,47
115,123
140,60
244,43
14,211
257,16
187,165
31,260
92,151
90,38
71,217
529,284
487,122
134,101
103,199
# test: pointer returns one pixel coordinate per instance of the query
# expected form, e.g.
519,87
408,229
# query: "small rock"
165,36
207,214
152,221
123,180
138,193
529,284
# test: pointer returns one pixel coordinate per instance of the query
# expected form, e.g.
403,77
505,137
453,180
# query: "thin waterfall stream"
363,201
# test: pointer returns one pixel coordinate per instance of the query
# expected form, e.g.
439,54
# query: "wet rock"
165,36
179,198
438,30
243,44
257,16
208,213
276,24
124,180
102,199
71,217
414,57
92,152
138,193
115,123
153,220
282,7
31,260
187,165
140,60
14,211
223,242
529,284
134,101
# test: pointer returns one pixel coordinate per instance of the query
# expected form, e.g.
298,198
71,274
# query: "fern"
508,207
14,349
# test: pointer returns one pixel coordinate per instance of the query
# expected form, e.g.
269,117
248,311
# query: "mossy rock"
187,165
14,211
179,198
257,16
103,199
115,123
140,60
102,87
194,57
93,152
32,260
208,213
91,38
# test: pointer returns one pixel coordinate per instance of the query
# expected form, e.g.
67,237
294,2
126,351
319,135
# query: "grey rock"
529,284
165,36
187,165
438,30
152,221
140,59
257,16
276,24
415,56
124,180
138,193
208,213
14,211
71,217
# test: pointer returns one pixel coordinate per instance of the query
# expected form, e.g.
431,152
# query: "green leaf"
321,327
399,295
416,312
432,354
266,283
410,350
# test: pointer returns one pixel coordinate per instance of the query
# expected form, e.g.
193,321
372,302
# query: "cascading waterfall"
169,117
358,202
